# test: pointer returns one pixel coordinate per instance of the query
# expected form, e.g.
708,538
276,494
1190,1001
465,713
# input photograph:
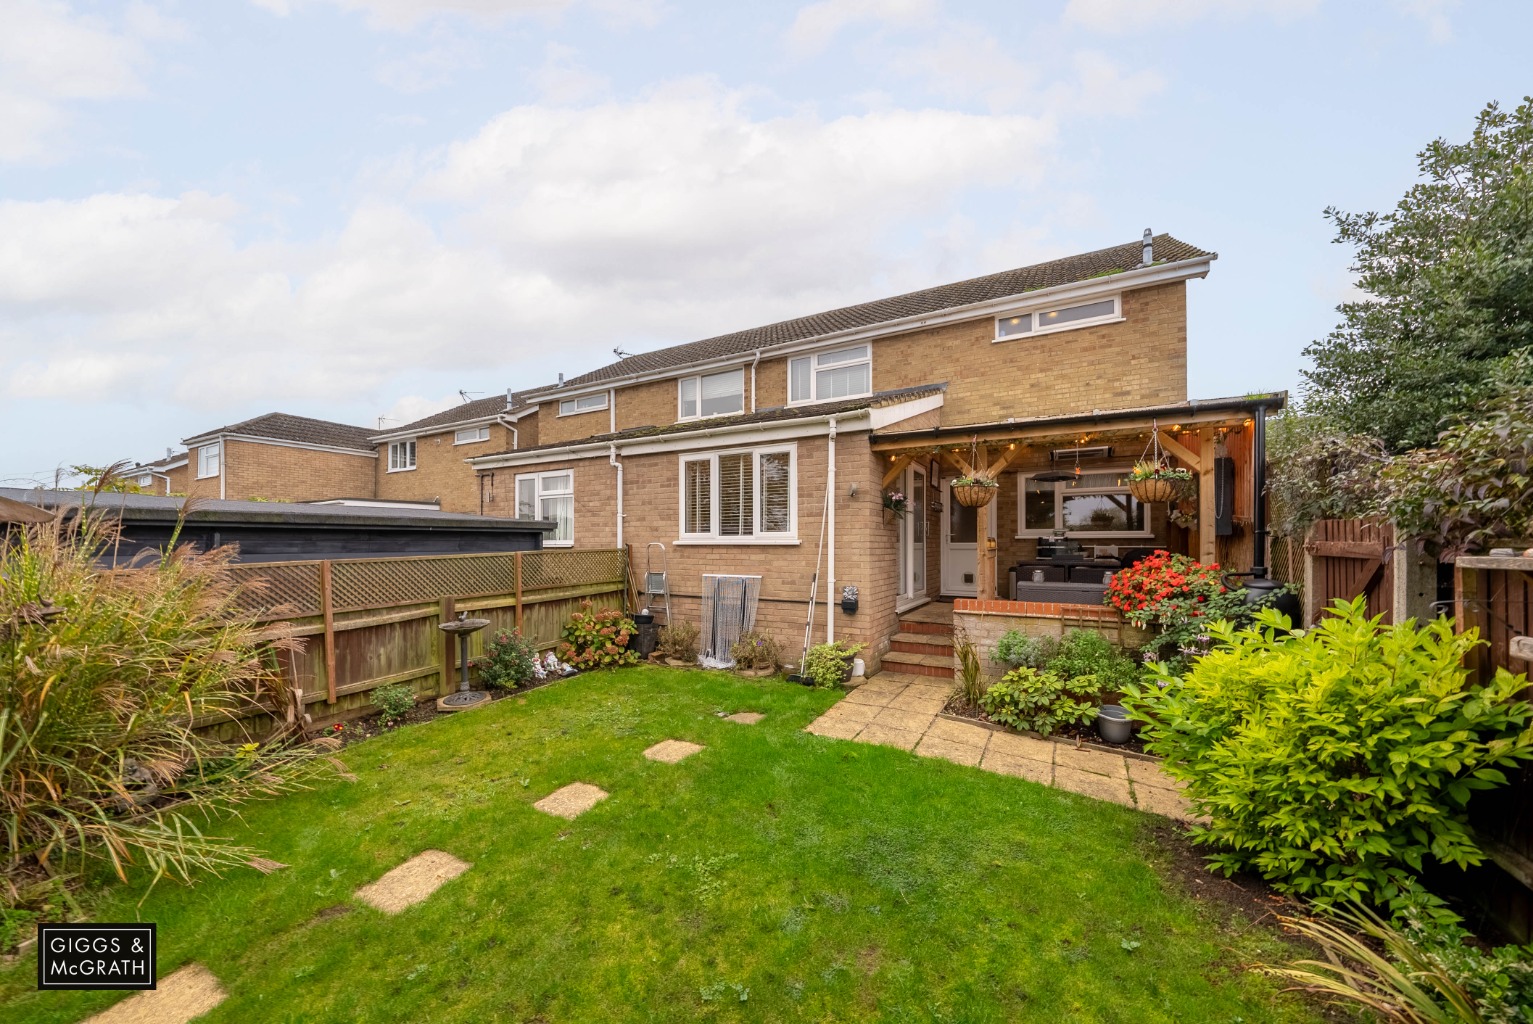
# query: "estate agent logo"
95,956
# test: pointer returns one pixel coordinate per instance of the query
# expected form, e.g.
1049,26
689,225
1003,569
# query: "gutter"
1139,277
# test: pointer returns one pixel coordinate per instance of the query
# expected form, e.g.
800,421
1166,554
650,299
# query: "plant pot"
974,495
849,605
642,619
756,673
1113,724
1153,489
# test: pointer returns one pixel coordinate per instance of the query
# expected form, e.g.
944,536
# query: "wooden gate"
1351,557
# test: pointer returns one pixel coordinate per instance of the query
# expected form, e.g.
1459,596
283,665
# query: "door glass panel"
963,522
916,501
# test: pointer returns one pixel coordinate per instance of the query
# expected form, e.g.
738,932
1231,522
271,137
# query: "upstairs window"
471,434
712,394
585,403
209,459
839,373
549,496
1062,318
739,496
401,456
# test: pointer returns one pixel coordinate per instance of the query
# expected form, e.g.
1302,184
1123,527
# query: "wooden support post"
1208,550
518,591
449,648
984,568
1467,615
327,610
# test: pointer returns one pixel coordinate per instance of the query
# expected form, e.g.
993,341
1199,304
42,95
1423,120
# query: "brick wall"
440,472
280,473
595,498
985,621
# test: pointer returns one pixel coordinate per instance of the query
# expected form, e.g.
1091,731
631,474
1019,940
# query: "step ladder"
657,582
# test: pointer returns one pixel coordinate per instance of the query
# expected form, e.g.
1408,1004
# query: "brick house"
749,452
427,460
281,457
162,476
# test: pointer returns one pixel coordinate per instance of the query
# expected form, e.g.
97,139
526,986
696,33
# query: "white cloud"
1433,14
650,221
50,55
402,15
1119,16
817,24
436,65
561,80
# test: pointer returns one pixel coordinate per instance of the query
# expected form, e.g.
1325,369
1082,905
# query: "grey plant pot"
1113,724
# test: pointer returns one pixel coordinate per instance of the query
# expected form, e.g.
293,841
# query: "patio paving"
901,711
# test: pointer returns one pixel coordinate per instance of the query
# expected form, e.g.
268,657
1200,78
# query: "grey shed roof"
281,426
1069,270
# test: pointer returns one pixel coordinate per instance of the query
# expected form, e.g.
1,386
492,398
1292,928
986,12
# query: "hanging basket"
974,495
1153,489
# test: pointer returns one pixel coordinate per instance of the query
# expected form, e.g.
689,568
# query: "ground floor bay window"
549,496
741,497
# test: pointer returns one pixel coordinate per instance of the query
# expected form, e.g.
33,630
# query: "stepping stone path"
181,996
572,800
671,751
745,717
902,711
412,881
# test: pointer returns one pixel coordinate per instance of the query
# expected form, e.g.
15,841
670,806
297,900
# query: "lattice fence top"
287,590
292,589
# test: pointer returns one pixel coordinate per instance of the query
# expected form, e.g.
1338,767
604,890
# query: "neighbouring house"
769,452
268,531
163,476
281,457
427,461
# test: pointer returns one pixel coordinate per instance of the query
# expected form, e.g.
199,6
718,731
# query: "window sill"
1060,329
210,476
406,469
731,542
558,544
579,412
821,401
477,440
710,416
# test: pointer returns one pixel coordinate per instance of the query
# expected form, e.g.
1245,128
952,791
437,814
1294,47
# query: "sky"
358,209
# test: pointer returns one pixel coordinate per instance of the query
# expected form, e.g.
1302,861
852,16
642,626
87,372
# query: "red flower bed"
1164,586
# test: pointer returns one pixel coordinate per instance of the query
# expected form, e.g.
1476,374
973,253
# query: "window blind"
735,495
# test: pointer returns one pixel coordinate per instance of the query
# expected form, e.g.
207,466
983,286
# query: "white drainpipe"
753,379
612,410
830,509
223,463
511,426
618,465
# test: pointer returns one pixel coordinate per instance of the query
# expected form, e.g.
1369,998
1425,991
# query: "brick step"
938,666
933,628
922,643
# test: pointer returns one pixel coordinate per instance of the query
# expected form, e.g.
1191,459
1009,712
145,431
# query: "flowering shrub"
597,639
1148,470
507,660
896,502
1174,594
393,703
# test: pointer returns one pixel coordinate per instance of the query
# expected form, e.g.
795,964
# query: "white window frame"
580,405
403,448
1037,311
757,537
481,433
814,368
1060,490
697,384
538,496
217,459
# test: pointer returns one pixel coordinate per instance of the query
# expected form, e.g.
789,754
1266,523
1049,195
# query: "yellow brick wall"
279,473
440,472
595,497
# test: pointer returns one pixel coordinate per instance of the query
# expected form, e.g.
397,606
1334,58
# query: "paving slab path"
180,996
903,711
412,881
671,751
571,801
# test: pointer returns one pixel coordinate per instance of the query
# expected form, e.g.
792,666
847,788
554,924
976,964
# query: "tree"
1448,276
105,478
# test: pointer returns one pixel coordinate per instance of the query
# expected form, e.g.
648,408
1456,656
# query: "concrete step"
922,643
935,665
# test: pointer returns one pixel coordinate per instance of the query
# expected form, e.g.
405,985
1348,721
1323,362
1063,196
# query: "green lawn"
774,876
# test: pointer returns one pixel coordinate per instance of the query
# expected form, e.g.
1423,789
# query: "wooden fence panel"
1352,557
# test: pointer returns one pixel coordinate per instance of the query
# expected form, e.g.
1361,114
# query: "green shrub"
678,641
1336,762
102,675
393,703
829,665
597,639
1017,649
507,660
1026,698
1085,652
755,651
970,672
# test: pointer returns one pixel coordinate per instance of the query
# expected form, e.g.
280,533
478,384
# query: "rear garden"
772,875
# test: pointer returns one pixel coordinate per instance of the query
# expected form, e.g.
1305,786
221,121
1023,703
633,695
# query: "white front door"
960,550
912,543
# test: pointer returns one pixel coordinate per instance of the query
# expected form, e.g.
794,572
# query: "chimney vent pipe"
1149,247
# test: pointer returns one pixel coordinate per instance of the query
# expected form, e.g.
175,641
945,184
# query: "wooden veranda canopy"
1186,432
